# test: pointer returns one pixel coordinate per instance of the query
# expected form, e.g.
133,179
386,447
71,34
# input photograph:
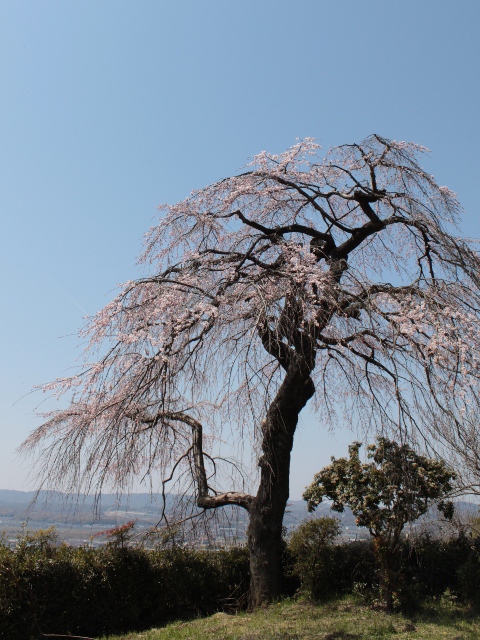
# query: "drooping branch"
204,499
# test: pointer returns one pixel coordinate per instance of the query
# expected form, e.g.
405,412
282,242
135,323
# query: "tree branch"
279,231
204,500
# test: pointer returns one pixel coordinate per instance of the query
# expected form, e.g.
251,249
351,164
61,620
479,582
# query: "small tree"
118,537
396,487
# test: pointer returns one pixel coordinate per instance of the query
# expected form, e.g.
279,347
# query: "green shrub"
312,550
82,591
322,568
427,567
49,588
468,575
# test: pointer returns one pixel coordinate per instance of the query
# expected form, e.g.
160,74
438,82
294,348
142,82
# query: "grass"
342,620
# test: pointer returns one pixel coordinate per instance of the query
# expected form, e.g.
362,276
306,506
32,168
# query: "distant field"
78,519
342,620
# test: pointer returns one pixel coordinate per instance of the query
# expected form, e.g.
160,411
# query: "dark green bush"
90,592
427,566
312,552
468,575
324,569
45,588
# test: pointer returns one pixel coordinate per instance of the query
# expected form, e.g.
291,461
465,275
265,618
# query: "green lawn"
342,620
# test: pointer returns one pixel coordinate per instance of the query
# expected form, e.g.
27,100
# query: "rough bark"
268,507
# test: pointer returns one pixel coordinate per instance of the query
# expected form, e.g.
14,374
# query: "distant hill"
63,508
47,508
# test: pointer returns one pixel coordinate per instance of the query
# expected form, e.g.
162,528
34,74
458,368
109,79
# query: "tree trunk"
387,560
268,507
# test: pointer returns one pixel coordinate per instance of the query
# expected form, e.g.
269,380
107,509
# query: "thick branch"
359,235
274,345
347,339
351,308
279,231
364,200
312,200
204,500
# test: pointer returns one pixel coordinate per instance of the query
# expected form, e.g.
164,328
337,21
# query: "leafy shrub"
427,567
468,575
323,568
312,551
394,487
50,588
46,588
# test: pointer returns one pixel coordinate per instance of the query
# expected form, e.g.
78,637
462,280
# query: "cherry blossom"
336,277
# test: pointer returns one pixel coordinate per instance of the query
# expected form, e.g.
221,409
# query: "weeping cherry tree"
335,277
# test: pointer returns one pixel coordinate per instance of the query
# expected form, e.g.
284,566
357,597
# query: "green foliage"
41,539
325,568
468,575
311,548
428,567
47,588
396,486
50,588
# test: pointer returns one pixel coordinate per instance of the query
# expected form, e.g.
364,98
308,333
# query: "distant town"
80,520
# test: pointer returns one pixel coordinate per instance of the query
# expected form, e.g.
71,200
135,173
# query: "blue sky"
110,108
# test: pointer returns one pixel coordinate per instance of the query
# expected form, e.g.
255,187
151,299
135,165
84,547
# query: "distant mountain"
59,507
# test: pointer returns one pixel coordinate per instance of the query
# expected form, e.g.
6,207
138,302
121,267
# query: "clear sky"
111,107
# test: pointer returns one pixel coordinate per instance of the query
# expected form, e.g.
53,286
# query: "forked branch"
204,499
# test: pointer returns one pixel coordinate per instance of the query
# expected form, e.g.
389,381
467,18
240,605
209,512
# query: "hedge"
56,589
91,592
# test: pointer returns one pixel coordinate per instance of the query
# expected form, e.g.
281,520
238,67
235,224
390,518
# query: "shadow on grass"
448,613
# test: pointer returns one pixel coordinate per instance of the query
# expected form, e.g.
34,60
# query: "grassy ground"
342,620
